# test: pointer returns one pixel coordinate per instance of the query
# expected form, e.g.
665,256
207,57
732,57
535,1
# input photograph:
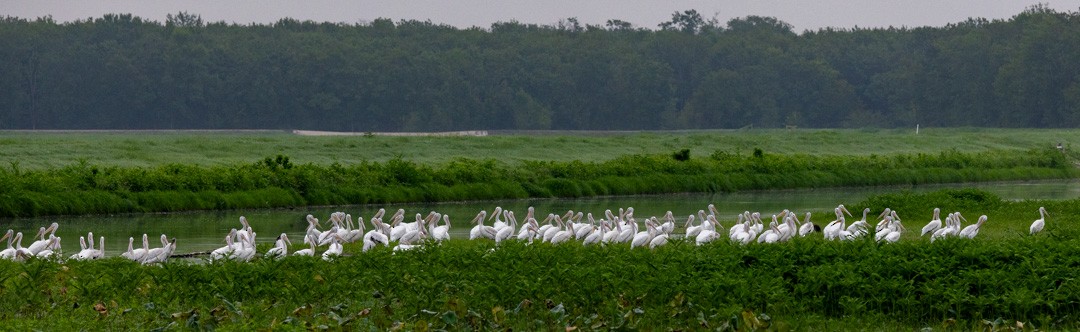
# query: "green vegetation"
43,150
809,283
124,72
84,188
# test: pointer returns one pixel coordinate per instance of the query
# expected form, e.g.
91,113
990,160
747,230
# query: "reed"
277,181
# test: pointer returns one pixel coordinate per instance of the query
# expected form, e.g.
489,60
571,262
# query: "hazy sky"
803,15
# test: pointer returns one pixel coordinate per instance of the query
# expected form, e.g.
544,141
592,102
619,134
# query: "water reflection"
204,231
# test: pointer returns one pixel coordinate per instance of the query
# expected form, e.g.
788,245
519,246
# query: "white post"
916,129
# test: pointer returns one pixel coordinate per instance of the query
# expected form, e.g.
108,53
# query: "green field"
39,150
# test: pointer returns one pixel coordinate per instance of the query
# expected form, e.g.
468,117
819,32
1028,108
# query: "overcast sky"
803,15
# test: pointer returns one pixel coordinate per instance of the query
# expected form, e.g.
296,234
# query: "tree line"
123,72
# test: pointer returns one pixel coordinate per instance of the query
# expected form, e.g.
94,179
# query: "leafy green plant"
277,182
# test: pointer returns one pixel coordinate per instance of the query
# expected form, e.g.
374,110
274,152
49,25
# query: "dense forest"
125,72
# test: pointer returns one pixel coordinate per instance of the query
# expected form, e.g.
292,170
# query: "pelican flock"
621,228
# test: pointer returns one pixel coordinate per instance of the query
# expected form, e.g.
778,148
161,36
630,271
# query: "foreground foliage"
84,188
994,282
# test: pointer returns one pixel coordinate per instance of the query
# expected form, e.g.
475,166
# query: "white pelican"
96,252
583,230
933,225
326,236
281,247
750,234
223,252
51,249
529,230
399,228
525,232
507,232
497,223
770,236
312,233
1038,225
42,241
740,226
891,231
132,253
247,248
442,232
691,229
596,236
708,235
712,210
155,255
335,248
99,252
306,252
971,230
82,246
669,223
549,232
415,234
10,251
140,253
371,240
350,234
481,231
613,232
564,234
757,226
19,253
643,238
381,226
860,224
89,251
660,238
375,236
532,229
833,228
245,228
790,227
629,230
952,227
844,209
40,245
781,221
407,242
807,226
898,230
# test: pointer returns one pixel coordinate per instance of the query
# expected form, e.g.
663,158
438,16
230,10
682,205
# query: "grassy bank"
45,150
85,188
806,284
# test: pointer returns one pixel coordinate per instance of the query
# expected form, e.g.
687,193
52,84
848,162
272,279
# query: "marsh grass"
280,181
806,284
45,150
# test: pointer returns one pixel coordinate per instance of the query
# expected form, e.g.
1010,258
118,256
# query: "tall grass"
278,181
45,150
808,283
